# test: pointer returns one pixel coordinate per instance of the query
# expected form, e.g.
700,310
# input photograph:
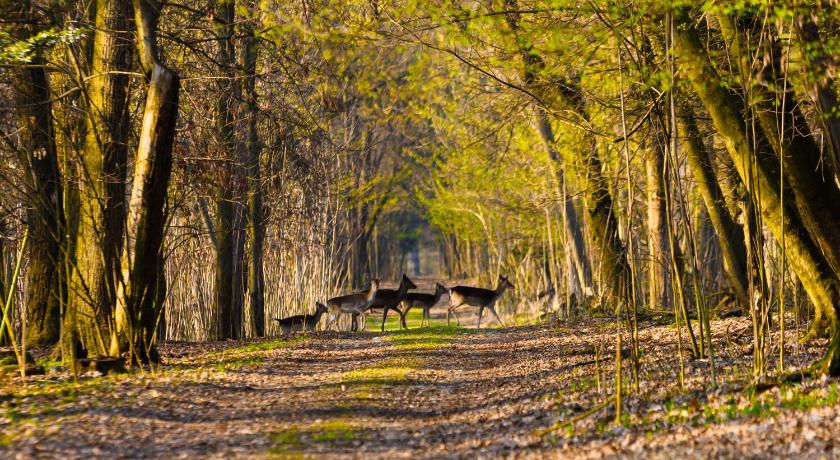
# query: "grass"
412,320
389,371
247,355
264,345
425,338
287,444
233,364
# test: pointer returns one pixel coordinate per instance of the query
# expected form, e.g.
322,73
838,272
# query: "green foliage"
16,51
769,404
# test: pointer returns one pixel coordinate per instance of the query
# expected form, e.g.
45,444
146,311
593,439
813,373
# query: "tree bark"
657,225
42,179
256,225
102,184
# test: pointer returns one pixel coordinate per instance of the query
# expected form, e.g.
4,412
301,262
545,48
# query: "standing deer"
389,299
302,322
355,304
424,301
477,297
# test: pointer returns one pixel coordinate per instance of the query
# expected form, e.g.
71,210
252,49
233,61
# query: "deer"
424,301
389,299
477,297
355,303
299,323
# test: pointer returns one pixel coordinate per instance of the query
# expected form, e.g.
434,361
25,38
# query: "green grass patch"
287,438
425,338
264,345
333,430
389,371
291,442
766,405
233,364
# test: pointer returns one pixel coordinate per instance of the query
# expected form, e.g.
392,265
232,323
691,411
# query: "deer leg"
407,309
451,311
425,316
492,309
330,320
355,324
402,318
480,311
384,316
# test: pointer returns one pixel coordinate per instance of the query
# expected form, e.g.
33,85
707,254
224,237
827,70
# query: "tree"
43,182
102,172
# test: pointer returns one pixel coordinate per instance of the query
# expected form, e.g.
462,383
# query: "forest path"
421,393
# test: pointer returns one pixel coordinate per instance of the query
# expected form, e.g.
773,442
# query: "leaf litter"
436,393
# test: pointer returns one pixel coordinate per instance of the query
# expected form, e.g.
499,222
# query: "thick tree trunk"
603,222
730,235
813,270
102,184
39,162
256,225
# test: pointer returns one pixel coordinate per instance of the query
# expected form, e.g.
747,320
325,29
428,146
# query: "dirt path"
445,392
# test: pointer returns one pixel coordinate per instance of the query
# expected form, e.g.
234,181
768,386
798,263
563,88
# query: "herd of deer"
359,303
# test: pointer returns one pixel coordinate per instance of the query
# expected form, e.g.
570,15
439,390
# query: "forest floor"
422,393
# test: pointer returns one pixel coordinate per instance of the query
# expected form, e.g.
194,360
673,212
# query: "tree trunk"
819,84
42,179
730,235
102,184
139,298
229,294
812,269
256,226
657,225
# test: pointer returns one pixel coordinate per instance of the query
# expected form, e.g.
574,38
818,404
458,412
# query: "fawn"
299,323
424,301
355,304
477,297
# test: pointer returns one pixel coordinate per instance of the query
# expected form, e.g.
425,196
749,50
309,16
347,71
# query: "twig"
576,418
